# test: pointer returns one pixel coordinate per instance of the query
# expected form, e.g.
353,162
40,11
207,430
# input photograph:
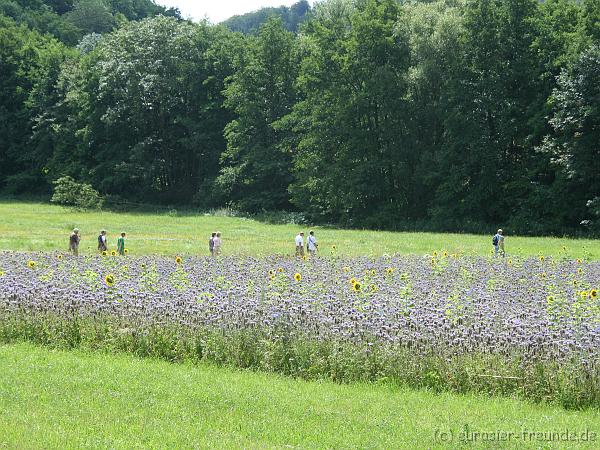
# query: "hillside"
250,23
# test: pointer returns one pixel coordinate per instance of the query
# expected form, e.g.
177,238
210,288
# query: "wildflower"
271,273
143,266
126,251
334,248
542,258
280,270
434,254
31,264
178,260
110,280
575,282
433,261
579,261
353,281
389,270
580,270
374,288
297,277
543,275
583,294
356,286
104,253
59,257
113,253
2,273
373,272
594,293
445,254
510,262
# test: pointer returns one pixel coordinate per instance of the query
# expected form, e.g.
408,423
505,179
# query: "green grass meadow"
57,399
42,227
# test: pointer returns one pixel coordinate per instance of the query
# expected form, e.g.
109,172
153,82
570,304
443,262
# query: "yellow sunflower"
2,272
31,264
104,253
580,270
109,280
356,286
178,260
575,282
126,251
510,262
543,275
445,254
579,261
113,253
297,277
271,273
280,270
353,281
583,294
389,270
59,257
434,254
542,258
594,293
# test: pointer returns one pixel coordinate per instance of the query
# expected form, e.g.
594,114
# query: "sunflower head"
510,262
579,261
434,254
334,248
445,254
113,253
178,260
542,259
280,270
297,277
31,264
357,287
584,294
109,280
594,293
580,270
104,253
271,273
543,275
126,251
575,282
353,281
143,266
389,270
59,257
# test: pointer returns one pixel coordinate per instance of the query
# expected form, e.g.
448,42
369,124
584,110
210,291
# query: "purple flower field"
513,317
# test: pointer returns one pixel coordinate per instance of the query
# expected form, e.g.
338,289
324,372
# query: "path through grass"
42,227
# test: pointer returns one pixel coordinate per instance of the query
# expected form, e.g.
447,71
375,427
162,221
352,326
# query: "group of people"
215,243
311,244
75,239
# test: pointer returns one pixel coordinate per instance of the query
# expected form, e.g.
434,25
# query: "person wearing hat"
498,243
74,240
102,242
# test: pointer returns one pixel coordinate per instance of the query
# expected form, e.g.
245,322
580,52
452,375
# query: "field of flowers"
523,327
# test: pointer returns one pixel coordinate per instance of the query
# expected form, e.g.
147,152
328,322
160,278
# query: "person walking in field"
311,244
217,242
211,244
102,242
74,240
498,243
300,244
121,244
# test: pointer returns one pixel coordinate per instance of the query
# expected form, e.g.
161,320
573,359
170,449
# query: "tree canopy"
445,114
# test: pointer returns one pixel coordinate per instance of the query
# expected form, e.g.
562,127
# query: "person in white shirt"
300,244
311,244
217,242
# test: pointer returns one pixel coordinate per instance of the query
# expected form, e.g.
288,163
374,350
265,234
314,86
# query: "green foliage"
68,192
445,115
291,18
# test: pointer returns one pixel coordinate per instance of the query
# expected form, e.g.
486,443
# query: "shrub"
69,192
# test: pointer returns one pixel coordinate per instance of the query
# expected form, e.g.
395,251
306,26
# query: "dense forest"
447,114
292,17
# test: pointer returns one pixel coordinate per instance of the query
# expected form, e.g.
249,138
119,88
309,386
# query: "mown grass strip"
56,399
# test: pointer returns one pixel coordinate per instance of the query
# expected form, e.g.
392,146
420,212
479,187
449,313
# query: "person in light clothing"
498,243
311,244
217,242
300,244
